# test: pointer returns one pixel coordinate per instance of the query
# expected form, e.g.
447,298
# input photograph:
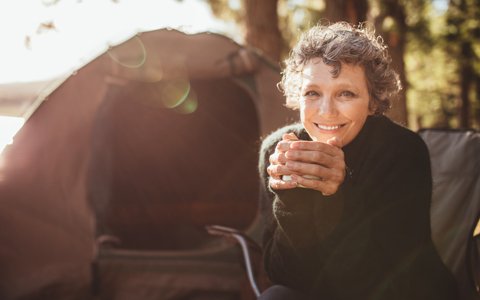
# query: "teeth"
326,127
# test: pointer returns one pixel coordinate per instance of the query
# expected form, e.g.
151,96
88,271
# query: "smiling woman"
359,227
333,107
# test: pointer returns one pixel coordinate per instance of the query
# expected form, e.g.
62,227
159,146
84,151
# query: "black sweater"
371,239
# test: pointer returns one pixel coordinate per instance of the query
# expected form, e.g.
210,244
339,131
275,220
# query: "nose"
327,106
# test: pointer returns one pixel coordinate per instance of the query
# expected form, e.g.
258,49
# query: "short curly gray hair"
337,44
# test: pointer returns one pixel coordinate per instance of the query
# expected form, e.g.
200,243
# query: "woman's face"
333,106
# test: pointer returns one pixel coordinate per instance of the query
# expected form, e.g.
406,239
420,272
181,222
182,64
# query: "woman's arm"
290,237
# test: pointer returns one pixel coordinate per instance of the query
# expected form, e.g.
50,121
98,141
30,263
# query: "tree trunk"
395,38
352,11
261,27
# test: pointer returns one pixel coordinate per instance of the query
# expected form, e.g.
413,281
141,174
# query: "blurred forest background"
435,47
434,44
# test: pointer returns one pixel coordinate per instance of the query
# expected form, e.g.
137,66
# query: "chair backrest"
455,159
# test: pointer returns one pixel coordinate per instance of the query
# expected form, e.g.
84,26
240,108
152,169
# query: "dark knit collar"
362,135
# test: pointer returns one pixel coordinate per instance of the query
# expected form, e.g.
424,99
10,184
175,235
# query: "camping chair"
455,211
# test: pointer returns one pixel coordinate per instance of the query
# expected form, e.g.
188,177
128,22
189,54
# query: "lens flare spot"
130,55
175,93
188,106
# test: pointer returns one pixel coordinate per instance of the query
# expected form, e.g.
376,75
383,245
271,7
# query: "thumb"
335,141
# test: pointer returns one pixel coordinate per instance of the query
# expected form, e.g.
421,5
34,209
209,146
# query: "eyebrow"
340,85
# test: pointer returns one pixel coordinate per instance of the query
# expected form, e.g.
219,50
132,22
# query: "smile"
329,127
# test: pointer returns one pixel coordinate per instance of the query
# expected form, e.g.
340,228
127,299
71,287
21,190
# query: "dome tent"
149,142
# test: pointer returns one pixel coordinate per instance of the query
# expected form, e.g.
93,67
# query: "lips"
329,127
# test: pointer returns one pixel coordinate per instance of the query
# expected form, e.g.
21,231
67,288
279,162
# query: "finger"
276,171
335,141
336,175
325,187
289,137
278,184
283,146
316,157
316,146
277,158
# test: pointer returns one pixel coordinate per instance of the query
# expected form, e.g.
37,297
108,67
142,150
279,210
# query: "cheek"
302,110
305,110
356,111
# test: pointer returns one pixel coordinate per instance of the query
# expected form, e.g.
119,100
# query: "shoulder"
390,158
395,137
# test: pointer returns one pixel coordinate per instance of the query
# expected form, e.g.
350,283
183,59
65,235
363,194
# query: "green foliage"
430,73
433,86
296,16
462,41
419,17
433,57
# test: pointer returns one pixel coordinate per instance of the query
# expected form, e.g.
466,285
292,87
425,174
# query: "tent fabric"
456,200
213,271
182,176
83,144
154,275
22,99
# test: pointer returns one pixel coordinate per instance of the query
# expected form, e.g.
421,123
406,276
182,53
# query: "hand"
277,168
316,165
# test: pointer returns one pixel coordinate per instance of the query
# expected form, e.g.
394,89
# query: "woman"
347,191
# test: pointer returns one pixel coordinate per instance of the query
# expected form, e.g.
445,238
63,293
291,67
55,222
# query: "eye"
347,94
310,94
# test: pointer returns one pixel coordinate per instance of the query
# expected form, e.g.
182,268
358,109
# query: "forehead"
317,70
